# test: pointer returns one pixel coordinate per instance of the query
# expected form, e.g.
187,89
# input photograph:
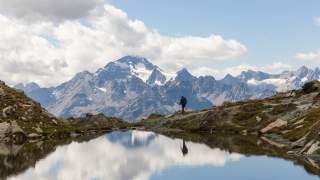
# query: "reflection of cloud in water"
105,159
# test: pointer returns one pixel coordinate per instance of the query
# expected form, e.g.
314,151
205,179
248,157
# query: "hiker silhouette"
183,103
184,148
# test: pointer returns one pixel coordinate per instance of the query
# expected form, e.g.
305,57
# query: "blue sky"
272,30
49,41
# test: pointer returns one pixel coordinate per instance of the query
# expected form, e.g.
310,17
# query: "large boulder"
16,133
7,111
311,87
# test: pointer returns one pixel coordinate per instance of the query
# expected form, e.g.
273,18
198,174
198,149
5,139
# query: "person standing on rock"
183,103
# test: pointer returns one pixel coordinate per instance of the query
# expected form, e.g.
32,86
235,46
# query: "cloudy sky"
49,41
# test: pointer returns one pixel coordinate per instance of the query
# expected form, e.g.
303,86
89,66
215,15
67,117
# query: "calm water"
146,155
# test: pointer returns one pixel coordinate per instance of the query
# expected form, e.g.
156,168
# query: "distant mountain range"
132,88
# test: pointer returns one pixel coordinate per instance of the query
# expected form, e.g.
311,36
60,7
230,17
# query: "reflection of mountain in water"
141,155
105,159
132,139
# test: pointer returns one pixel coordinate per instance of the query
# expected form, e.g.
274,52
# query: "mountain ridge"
132,88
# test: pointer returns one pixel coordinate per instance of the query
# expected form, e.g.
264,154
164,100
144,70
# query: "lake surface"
147,155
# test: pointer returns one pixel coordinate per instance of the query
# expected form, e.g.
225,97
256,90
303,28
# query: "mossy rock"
310,87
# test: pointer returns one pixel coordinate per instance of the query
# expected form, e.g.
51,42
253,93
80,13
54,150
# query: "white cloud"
205,71
49,9
312,56
49,53
275,68
105,159
316,21
236,70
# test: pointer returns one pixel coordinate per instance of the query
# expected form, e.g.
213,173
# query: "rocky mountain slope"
132,87
289,121
23,119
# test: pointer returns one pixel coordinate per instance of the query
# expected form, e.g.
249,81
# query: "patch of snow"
141,71
121,65
159,83
169,76
292,78
56,94
252,82
304,79
103,89
276,82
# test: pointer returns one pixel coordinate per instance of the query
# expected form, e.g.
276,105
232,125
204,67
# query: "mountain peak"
125,68
303,71
229,80
303,68
184,74
228,76
250,74
135,61
27,87
83,74
156,77
184,71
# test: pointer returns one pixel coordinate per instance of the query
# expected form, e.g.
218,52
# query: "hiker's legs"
183,106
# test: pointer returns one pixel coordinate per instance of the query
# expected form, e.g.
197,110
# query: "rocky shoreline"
288,121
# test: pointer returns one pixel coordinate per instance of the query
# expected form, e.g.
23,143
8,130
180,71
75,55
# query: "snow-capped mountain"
132,87
280,82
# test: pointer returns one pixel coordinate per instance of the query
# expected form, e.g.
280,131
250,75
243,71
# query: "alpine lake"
126,155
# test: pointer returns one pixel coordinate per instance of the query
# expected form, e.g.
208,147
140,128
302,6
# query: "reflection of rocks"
89,160
15,159
83,160
278,145
311,147
252,145
314,147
